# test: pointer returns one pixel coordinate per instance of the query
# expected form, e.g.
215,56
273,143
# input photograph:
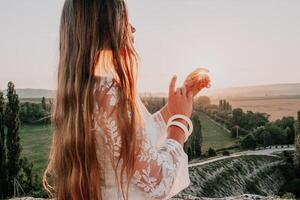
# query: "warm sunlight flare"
150,100
198,80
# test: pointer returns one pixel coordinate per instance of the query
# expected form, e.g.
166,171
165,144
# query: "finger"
188,84
190,95
178,91
172,85
197,90
184,91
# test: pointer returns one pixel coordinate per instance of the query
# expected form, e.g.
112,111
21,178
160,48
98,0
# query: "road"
267,152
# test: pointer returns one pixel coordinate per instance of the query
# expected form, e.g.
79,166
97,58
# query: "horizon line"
232,87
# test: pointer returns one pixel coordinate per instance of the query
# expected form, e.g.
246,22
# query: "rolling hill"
34,93
272,90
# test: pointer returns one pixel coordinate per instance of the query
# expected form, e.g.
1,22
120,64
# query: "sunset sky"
242,43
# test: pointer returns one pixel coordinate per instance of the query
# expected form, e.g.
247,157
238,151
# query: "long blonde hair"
86,28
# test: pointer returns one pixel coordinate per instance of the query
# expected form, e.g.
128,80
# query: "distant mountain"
275,90
34,93
272,90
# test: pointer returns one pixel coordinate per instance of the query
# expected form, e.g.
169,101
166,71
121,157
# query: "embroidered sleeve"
161,127
155,168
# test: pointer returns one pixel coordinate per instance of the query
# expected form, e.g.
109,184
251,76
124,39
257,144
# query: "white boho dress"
162,165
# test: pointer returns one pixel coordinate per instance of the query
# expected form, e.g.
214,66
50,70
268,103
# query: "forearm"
165,113
177,133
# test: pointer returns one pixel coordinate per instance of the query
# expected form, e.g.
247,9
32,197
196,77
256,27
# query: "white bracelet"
178,116
182,126
186,131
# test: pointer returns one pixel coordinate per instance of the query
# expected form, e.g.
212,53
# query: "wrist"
165,113
182,122
176,133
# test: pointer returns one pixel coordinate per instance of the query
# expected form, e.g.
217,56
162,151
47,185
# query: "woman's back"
131,143
158,162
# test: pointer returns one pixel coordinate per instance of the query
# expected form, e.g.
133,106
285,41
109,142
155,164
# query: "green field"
213,135
36,141
33,100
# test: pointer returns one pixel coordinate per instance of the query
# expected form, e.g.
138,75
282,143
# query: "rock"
241,197
28,198
254,174
190,197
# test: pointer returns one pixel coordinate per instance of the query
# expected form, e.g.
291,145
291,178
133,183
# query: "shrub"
293,187
226,153
288,195
211,152
249,142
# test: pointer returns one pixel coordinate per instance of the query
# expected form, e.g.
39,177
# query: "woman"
106,145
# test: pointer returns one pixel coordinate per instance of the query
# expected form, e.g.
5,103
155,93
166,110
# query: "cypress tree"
227,106
44,106
12,137
163,101
196,138
3,171
298,117
193,146
297,142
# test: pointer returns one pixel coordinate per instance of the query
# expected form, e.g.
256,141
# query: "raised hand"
197,80
180,101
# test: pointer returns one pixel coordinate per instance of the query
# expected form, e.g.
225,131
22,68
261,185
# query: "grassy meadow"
213,135
33,100
36,141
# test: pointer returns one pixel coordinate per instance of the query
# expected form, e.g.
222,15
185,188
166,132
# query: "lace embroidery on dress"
159,120
155,168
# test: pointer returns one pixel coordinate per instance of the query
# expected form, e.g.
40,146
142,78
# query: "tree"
3,171
293,187
32,113
226,153
237,116
248,142
288,195
287,124
201,102
290,135
277,135
44,106
25,176
189,153
298,117
194,143
224,105
12,137
262,136
253,120
221,104
227,106
211,152
197,142
297,142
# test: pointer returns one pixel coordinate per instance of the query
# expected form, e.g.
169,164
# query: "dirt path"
267,152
